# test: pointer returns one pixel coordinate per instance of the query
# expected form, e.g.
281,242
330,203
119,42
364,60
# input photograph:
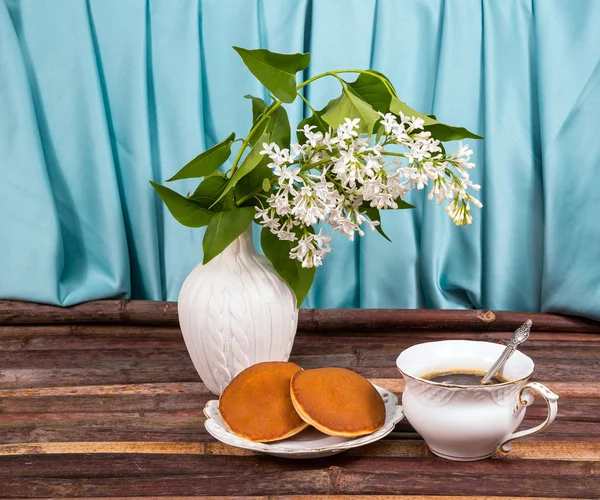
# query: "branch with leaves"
358,155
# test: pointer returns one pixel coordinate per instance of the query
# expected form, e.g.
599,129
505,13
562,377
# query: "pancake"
337,402
256,405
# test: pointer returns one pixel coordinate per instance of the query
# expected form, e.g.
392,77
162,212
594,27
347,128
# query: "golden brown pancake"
256,405
337,401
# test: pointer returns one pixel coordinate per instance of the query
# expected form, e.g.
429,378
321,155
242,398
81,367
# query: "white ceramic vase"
234,312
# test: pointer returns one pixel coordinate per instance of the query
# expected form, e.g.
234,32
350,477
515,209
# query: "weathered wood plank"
526,449
386,448
563,441
133,474
192,431
565,389
107,330
107,373
577,403
84,464
368,320
394,344
165,313
88,337
122,373
204,484
320,497
574,411
80,336
73,447
63,343
188,426
487,477
91,403
115,358
128,367
100,311
103,390
151,427
393,497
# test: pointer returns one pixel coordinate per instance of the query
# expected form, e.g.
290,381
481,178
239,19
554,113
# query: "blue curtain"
99,96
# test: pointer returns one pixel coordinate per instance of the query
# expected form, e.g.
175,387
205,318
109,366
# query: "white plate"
310,443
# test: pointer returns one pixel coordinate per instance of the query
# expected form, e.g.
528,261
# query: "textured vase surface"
234,312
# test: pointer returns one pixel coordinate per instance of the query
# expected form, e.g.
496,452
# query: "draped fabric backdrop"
99,96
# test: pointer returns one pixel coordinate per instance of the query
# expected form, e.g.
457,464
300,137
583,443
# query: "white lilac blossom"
335,177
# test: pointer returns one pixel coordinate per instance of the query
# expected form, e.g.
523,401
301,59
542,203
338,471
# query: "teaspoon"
521,335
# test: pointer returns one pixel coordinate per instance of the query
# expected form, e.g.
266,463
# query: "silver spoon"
521,335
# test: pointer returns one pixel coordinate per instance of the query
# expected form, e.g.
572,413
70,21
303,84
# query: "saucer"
309,443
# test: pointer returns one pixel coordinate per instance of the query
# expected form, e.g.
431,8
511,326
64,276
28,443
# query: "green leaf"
266,185
279,133
279,128
223,229
387,80
206,162
397,106
259,106
349,105
275,71
276,121
379,134
209,187
278,252
373,91
259,131
315,119
443,132
209,191
185,210
403,205
439,131
247,181
374,215
253,158
251,182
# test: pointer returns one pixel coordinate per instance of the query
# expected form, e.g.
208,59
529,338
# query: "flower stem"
391,153
244,145
308,166
317,77
248,196
340,71
306,102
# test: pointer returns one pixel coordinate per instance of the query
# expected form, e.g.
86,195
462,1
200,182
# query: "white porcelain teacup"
469,422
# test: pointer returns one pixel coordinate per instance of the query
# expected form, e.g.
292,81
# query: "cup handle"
525,399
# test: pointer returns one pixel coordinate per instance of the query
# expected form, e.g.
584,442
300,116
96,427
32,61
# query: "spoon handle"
507,353
521,334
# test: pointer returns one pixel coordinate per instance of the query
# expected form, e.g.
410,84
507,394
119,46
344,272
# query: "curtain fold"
97,97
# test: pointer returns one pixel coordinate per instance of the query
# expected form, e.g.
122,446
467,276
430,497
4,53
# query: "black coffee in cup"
461,377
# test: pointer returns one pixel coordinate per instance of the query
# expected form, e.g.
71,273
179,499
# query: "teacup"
467,423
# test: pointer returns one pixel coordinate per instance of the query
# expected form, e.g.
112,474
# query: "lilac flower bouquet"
360,154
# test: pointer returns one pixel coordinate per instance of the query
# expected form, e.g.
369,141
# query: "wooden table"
102,400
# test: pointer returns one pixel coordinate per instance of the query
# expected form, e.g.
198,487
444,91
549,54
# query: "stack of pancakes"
276,400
